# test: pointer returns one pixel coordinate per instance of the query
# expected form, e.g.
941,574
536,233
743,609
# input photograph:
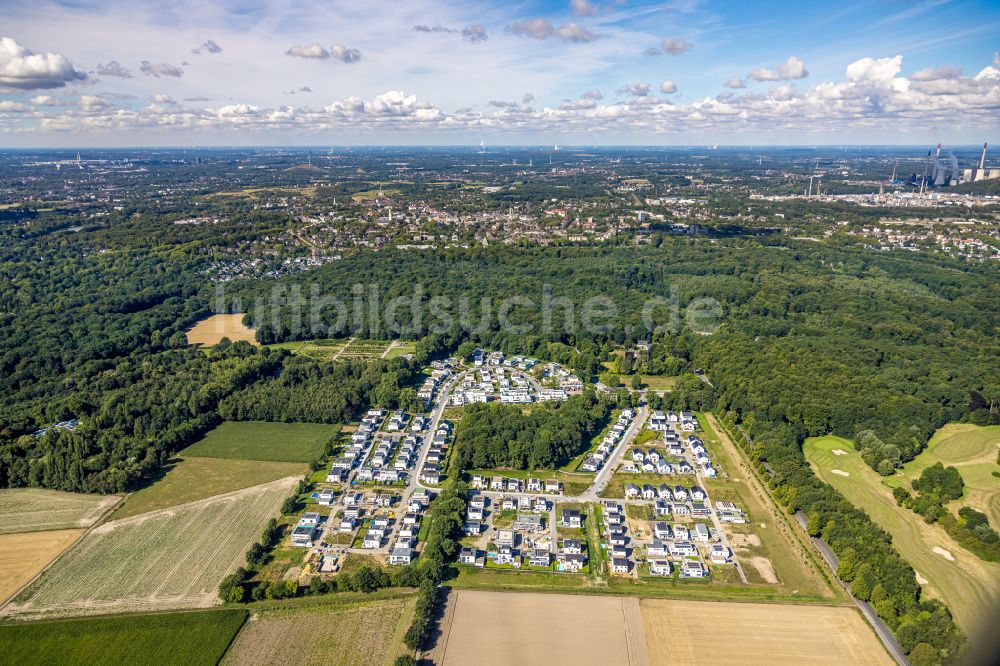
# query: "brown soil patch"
764,568
22,556
210,331
694,633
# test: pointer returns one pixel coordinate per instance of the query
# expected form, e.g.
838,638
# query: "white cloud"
878,70
311,51
433,28
208,47
94,104
735,82
317,52
793,68
668,87
635,89
540,28
344,54
114,68
8,106
583,7
44,100
162,99
160,69
592,94
20,69
676,45
475,33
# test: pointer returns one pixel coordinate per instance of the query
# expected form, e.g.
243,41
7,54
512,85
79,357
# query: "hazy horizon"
112,73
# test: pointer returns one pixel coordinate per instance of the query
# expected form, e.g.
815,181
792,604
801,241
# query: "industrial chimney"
982,160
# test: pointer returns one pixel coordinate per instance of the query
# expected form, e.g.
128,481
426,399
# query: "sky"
426,72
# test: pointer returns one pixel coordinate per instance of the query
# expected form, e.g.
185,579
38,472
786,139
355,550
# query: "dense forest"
548,436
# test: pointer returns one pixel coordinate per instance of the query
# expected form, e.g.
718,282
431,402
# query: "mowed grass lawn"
257,440
355,634
37,509
973,451
185,639
967,584
190,479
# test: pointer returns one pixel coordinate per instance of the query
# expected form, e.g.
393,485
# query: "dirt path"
341,350
635,633
775,515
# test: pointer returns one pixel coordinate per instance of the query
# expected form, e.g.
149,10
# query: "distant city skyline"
433,72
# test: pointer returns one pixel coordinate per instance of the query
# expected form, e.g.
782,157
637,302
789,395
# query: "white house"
571,518
719,554
660,568
401,555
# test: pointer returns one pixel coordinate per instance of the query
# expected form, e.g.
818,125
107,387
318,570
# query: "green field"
257,440
325,634
167,559
36,509
964,582
190,479
323,349
401,348
973,451
369,349
185,639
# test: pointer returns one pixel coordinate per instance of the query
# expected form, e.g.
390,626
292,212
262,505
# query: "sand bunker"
840,472
946,554
920,579
839,452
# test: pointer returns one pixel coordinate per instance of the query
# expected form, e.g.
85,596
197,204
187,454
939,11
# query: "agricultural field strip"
20,510
94,583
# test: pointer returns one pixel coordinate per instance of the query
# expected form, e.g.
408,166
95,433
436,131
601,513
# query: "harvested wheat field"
37,509
24,555
680,633
171,558
209,331
361,634
498,628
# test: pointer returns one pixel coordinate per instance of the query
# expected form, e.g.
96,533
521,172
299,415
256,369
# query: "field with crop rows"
364,349
36,509
359,634
173,558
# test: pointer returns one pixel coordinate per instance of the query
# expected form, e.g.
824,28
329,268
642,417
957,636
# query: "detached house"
660,568
571,518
